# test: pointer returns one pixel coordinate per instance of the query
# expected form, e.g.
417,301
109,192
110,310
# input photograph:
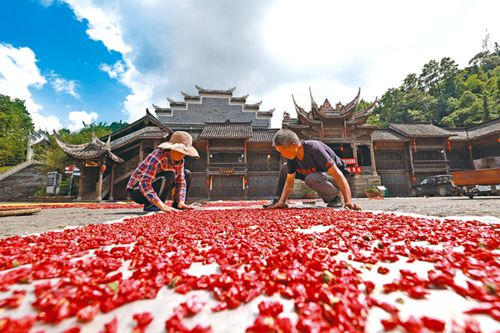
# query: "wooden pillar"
446,158
471,159
412,167
355,151
209,178
111,182
141,152
245,192
99,184
209,192
81,166
372,158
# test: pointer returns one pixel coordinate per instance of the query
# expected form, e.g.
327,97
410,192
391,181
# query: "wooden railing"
430,164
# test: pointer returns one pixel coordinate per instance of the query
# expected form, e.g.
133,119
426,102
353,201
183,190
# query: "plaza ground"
487,207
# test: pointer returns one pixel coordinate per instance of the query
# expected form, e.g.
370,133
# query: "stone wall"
22,185
359,183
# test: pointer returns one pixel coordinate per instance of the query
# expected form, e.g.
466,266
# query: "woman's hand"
167,209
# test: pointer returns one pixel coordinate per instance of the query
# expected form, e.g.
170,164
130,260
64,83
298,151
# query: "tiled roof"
417,130
226,130
460,134
263,135
489,128
388,135
194,135
149,132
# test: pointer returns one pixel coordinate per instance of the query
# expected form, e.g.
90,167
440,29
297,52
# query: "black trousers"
163,184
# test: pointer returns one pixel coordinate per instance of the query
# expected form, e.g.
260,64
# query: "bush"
373,189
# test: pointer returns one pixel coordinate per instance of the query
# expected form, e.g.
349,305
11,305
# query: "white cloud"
103,24
77,119
61,85
114,70
273,49
18,73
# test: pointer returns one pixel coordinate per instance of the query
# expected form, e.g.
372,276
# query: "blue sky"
97,60
64,51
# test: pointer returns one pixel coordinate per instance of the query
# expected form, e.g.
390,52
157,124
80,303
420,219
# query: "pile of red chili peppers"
76,273
73,205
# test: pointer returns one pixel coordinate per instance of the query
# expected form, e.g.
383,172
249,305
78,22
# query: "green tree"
445,94
15,126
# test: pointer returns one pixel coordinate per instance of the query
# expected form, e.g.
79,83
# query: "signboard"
226,171
350,161
91,164
53,182
355,170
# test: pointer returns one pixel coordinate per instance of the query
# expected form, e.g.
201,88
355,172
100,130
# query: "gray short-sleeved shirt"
318,157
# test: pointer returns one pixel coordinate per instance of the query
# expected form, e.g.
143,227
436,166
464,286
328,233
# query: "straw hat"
182,142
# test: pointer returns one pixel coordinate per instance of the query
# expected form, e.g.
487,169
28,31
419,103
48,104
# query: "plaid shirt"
158,161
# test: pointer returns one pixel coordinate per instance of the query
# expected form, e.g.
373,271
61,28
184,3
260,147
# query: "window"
227,157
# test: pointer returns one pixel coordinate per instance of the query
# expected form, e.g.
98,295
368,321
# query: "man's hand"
182,205
352,206
277,205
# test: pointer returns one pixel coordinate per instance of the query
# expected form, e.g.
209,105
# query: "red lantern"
413,145
103,168
70,167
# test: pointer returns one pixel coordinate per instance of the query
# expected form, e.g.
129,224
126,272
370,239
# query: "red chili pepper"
143,320
20,325
112,326
193,305
88,313
383,270
417,292
433,324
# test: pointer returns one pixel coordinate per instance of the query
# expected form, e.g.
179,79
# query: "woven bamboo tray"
16,212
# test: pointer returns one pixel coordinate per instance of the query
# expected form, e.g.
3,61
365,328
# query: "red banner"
350,161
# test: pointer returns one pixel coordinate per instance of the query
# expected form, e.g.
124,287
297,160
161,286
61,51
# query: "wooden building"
343,129
407,153
233,138
237,160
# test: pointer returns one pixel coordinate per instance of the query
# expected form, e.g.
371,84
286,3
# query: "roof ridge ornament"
215,91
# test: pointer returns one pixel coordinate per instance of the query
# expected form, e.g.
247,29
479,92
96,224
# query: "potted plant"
372,192
308,193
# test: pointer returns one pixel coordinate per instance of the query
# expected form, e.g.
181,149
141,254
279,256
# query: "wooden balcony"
430,165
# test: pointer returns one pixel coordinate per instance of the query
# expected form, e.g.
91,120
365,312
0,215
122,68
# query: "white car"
486,189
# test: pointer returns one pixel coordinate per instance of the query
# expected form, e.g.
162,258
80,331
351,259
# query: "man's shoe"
337,202
275,201
151,208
